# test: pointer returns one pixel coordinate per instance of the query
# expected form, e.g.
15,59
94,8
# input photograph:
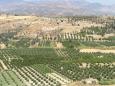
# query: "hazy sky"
106,2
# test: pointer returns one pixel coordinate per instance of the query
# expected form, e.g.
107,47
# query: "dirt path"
97,50
3,65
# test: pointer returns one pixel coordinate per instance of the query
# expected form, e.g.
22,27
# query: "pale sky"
104,2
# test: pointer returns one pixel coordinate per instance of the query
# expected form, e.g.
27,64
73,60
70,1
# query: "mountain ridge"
56,7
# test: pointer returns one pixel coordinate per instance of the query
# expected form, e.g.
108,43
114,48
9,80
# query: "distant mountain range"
55,7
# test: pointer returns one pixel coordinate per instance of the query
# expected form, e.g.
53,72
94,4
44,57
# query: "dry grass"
38,24
97,50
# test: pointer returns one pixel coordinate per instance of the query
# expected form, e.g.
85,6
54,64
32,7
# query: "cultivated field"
57,51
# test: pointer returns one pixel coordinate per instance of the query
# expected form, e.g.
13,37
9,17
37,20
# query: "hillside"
56,7
57,51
